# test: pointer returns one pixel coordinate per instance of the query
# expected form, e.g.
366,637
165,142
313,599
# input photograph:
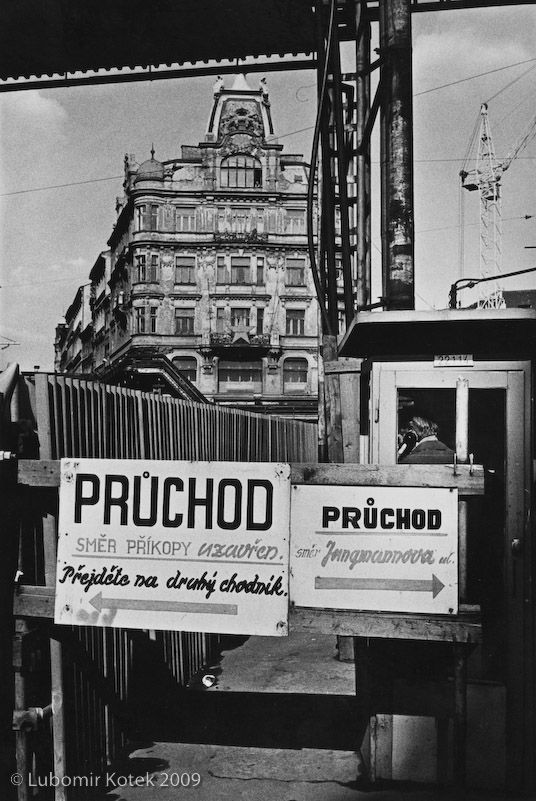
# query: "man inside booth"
420,444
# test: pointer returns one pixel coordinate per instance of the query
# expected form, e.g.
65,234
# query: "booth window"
241,172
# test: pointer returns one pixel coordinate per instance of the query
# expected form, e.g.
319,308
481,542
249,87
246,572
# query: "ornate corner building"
207,275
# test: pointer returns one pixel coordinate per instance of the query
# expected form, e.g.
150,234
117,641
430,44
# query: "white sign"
454,360
390,549
186,546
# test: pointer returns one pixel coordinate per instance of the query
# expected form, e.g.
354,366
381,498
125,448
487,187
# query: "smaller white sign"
454,360
390,549
185,546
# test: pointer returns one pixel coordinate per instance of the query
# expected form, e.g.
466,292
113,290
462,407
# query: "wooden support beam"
408,475
34,602
464,628
469,480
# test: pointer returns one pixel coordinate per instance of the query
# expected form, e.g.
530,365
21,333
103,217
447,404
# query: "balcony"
237,341
246,237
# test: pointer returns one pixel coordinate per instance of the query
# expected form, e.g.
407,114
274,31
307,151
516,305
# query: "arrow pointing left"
100,603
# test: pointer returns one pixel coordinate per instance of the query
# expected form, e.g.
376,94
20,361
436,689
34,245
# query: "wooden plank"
58,712
34,602
386,625
343,365
46,473
39,472
407,475
42,413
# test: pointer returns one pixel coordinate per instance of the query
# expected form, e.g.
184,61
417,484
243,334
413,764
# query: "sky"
50,237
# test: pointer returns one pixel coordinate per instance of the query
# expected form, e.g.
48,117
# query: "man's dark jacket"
431,451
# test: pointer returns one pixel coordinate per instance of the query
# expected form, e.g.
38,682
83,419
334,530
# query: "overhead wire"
302,130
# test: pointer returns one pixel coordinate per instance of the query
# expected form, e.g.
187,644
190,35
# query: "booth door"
498,542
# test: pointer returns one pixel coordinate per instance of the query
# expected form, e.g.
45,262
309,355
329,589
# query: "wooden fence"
78,680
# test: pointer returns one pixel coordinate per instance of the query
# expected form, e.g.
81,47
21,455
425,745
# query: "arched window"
241,172
187,365
295,375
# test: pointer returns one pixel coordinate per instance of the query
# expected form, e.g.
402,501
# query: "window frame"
180,314
297,321
241,171
190,268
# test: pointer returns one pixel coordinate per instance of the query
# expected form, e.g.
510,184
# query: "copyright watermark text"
111,779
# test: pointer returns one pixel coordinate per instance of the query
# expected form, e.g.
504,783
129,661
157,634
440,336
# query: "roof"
520,298
486,333
55,37
47,37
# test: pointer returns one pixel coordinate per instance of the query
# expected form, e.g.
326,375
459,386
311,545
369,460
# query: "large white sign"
391,549
188,546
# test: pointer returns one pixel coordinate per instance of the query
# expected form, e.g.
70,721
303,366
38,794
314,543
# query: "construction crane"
486,179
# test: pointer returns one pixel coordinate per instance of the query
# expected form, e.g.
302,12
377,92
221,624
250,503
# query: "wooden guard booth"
472,372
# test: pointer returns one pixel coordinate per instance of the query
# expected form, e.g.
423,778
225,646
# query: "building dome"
150,170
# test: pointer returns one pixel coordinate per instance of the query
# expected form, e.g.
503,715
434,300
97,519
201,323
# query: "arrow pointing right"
434,585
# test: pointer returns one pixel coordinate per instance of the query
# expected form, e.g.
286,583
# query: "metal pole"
397,113
363,166
462,449
342,175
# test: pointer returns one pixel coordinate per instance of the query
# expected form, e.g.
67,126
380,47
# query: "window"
259,221
152,319
295,375
260,270
295,322
153,222
260,321
239,318
341,320
152,273
187,365
240,375
140,217
222,219
240,269
241,172
185,269
221,271
220,320
184,321
140,319
185,216
239,220
295,272
141,267
295,221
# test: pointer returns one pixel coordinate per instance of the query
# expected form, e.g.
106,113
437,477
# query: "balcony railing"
230,338
252,236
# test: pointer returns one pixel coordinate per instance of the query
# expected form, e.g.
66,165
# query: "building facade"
207,274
